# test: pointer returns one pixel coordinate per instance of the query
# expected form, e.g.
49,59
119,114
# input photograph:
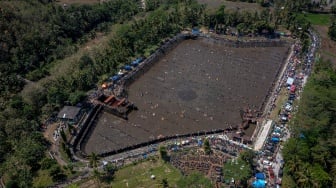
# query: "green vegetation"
310,153
318,19
140,175
237,169
246,22
195,180
43,179
332,28
93,160
36,36
206,147
163,154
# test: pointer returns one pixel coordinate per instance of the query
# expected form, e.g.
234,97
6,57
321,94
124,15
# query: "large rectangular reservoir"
198,86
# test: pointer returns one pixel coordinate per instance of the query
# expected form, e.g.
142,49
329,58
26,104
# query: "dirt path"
54,148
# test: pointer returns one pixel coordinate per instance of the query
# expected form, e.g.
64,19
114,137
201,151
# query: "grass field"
318,19
236,170
43,179
140,175
282,97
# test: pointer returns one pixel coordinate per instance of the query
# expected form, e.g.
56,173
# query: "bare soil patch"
328,47
69,2
198,86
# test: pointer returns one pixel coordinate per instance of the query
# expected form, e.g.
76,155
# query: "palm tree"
94,158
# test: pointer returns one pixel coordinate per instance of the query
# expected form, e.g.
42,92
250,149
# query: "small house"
70,114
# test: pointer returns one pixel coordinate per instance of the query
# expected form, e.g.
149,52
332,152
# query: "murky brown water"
198,86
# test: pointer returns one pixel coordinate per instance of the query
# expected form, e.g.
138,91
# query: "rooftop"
68,112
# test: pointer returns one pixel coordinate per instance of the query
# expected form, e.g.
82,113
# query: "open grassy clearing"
236,170
282,97
43,179
318,19
139,175
213,5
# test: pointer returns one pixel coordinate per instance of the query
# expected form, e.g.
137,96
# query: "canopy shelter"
290,81
127,67
136,62
260,176
115,78
259,183
275,139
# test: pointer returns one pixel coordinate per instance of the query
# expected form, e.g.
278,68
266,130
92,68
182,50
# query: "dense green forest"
310,154
33,35
36,35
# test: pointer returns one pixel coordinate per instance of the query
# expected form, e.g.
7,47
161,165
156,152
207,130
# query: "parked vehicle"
288,107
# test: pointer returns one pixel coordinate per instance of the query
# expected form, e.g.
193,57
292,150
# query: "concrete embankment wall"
152,59
83,133
156,141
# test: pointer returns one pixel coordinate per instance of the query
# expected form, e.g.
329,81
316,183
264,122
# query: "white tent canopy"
290,81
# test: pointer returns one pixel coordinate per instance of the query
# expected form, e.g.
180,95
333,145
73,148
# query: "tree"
164,183
163,153
248,156
309,159
206,147
94,158
56,173
332,29
110,169
47,163
333,9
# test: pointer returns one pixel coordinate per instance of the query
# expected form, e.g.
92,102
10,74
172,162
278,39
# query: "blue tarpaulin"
260,176
195,31
115,78
259,184
127,67
139,59
275,139
302,135
134,63
199,143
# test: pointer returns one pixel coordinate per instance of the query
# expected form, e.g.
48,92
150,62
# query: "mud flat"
198,86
